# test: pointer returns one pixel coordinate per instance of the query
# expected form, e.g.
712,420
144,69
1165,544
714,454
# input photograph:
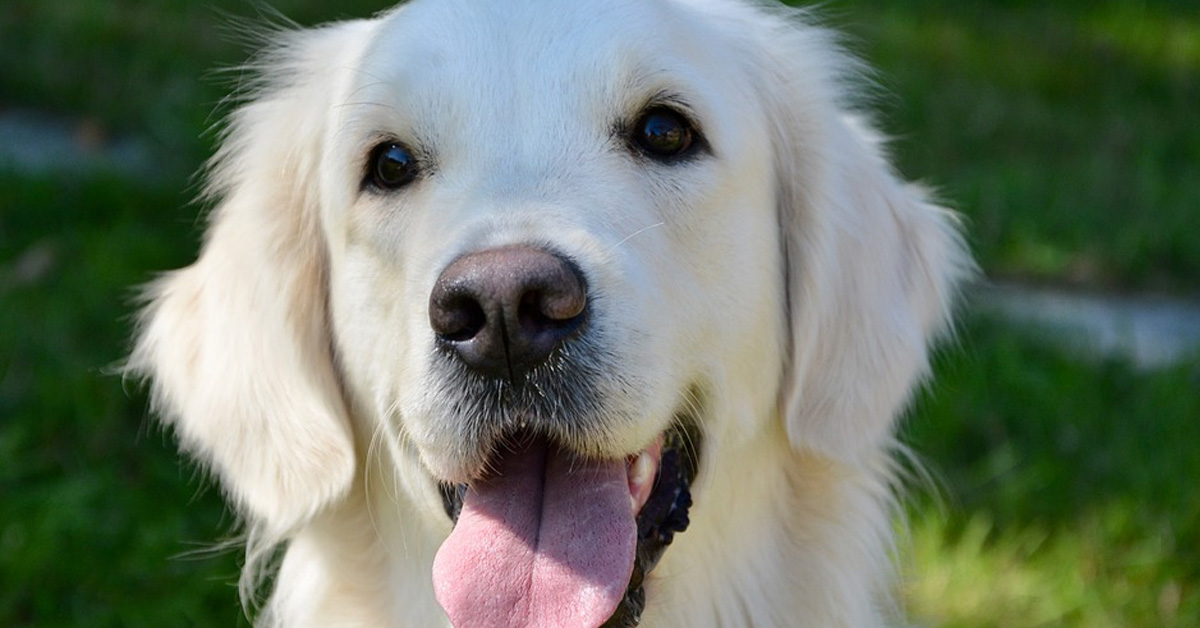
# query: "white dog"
497,297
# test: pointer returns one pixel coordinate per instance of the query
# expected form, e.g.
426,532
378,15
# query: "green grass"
97,511
90,56
1070,502
1065,131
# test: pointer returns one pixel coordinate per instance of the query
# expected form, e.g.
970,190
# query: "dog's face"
623,151
548,254
518,148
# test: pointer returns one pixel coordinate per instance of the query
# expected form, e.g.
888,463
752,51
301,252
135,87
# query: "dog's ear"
872,266
237,345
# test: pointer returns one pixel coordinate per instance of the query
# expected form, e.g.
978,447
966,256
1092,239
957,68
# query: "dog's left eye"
391,166
664,134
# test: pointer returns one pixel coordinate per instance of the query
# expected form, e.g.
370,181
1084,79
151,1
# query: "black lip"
664,515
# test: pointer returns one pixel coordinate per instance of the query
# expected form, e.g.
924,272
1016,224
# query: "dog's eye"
392,166
663,134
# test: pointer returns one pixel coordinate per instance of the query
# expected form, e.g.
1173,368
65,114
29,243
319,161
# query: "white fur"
786,287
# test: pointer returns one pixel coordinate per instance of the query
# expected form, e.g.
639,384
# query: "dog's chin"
530,470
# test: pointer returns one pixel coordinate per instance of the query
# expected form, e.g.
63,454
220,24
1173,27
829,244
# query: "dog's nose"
504,310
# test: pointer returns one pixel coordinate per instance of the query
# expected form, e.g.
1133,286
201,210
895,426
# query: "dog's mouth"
551,539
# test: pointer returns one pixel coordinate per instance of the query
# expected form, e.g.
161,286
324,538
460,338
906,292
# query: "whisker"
364,103
635,233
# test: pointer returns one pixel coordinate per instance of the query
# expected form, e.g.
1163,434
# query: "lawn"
1066,133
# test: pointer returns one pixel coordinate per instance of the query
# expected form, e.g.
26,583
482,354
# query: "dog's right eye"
392,166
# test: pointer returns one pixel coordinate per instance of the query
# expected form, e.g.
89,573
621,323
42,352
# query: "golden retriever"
531,313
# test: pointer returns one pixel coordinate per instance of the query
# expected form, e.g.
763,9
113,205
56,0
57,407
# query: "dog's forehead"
514,60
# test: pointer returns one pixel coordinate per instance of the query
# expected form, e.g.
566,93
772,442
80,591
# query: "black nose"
503,311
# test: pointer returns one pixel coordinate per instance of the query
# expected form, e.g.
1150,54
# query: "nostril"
543,311
458,319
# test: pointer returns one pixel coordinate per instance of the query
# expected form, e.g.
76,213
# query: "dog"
524,313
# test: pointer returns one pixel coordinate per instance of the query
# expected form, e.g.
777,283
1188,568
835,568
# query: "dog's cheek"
366,326
737,303
637,321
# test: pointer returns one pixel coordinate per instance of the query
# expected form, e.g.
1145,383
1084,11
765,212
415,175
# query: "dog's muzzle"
546,536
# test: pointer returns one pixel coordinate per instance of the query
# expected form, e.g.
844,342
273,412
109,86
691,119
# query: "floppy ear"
237,345
872,266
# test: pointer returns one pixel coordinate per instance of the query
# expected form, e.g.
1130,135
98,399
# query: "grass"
1068,503
1064,131
95,503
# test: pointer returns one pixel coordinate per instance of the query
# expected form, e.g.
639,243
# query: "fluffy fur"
782,288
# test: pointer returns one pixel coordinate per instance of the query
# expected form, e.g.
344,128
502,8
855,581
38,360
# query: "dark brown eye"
663,134
392,166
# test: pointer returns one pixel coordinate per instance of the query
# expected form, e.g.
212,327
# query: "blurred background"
1062,432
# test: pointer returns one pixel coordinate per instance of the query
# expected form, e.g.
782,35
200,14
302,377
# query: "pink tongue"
547,542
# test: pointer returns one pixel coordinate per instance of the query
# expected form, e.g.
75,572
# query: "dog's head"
511,236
